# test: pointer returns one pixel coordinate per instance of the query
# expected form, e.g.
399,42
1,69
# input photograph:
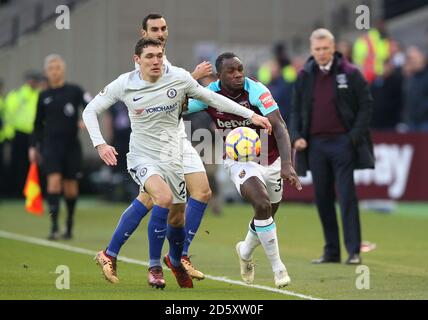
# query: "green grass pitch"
398,266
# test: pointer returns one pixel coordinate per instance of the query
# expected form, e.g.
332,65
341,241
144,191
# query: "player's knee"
146,200
263,208
70,194
71,191
54,187
203,195
176,220
163,200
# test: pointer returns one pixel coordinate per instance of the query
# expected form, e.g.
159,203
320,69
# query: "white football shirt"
154,111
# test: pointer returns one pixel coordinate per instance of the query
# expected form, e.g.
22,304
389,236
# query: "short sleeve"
261,97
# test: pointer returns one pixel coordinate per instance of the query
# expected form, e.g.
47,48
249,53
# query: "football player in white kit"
154,96
154,26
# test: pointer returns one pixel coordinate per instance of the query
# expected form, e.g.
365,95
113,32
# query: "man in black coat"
330,117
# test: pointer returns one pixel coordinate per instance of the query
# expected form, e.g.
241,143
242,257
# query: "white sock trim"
263,223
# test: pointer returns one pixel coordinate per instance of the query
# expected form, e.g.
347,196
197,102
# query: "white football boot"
247,266
281,278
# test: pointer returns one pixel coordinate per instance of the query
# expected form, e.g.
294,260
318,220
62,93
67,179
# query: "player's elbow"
86,115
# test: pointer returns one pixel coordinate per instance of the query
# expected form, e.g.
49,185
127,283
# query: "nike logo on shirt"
136,99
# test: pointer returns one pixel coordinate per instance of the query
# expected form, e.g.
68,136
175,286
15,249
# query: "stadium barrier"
400,174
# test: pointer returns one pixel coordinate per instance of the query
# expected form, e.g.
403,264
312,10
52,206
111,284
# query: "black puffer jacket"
354,104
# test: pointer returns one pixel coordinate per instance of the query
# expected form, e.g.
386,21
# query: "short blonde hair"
321,33
52,57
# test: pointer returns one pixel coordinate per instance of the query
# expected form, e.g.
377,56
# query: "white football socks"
250,243
266,232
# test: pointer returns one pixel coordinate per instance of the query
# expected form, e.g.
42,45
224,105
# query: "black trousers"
19,162
331,161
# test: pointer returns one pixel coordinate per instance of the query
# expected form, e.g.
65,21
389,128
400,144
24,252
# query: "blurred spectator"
43,83
345,48
2,138
279,74
388,97
264,74
20,112
398,58
371,51
280,54
281,90
416,90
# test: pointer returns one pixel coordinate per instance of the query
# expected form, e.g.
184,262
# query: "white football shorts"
192,162
171,173
239,172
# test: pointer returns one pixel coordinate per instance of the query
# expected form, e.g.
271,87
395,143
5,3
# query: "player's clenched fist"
202,70
107,154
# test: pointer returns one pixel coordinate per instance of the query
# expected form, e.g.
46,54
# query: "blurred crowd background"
272,40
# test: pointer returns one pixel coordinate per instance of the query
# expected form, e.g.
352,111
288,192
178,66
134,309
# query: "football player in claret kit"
260,184
154,95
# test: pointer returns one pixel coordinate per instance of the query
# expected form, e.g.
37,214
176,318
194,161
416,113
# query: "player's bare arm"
224,104
280,131
107,154
202,70
262,122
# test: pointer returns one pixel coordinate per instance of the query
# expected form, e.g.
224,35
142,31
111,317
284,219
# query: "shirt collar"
327,67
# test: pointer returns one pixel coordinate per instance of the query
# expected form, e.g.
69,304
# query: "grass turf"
398,267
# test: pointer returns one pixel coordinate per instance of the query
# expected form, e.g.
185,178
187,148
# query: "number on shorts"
182,187
279,185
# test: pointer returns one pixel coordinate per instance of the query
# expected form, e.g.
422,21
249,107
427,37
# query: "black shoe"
325,259
67,236
354,259
53,236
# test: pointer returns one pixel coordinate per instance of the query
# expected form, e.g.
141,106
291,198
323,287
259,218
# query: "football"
243,144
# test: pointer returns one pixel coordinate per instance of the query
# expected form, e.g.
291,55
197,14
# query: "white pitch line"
57,245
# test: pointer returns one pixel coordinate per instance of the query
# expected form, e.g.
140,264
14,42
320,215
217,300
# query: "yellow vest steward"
264,74
2,108
370,53
21,108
